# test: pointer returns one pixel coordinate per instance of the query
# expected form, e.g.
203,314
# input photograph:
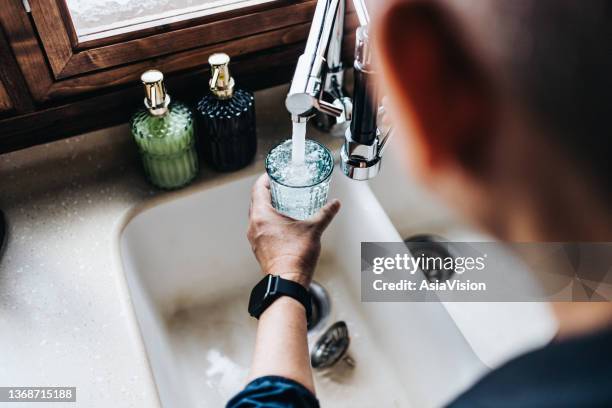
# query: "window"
95,19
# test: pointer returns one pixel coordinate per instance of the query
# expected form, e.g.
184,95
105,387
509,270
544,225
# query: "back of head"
557,56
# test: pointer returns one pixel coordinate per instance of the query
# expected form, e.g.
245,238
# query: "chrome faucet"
321,56
319,73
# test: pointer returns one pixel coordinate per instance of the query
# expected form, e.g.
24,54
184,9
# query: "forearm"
281,347
289,249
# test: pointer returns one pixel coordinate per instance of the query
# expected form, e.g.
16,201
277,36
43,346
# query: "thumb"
325,215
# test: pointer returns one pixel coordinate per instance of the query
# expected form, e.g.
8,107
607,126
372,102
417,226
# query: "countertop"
65,313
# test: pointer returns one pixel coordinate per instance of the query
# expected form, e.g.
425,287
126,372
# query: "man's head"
506,104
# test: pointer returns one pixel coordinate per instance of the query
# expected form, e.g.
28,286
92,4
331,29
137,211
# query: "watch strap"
272,287
296,291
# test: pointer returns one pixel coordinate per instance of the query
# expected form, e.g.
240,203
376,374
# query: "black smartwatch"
270,288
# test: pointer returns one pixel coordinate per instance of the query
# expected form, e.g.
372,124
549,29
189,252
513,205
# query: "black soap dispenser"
226,120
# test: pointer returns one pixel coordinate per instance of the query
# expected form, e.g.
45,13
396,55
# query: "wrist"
297,277
292,268
284,305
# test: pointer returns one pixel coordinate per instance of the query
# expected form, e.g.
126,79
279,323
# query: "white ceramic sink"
190,269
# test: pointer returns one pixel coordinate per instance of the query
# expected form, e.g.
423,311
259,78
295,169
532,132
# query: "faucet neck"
322,46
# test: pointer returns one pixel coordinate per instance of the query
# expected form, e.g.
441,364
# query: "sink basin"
189,269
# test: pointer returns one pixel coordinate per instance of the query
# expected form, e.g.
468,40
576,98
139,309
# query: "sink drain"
431,246
331,347
321,306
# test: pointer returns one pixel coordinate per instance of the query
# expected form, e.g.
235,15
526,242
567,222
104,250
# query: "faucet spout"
323,44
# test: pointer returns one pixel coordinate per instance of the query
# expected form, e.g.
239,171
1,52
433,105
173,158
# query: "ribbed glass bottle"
226,120
227,130
167,145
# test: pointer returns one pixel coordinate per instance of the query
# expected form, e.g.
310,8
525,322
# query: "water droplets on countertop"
65,314
58,280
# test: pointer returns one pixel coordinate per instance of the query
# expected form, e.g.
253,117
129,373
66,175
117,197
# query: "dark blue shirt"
571,373
274,392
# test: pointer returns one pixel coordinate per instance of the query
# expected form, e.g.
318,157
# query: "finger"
325,215
261,191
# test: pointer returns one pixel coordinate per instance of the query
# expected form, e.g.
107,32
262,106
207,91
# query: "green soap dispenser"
164,133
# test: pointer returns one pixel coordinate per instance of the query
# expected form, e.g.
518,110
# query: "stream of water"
298,146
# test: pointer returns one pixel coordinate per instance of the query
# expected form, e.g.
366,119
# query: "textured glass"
226,130
299,196
167,145
101,18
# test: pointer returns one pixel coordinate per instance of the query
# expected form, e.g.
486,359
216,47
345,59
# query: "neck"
582,318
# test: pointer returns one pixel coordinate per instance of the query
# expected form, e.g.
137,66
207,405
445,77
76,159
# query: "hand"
282,245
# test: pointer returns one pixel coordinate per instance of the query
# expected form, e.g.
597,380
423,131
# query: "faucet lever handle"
346,104
329,108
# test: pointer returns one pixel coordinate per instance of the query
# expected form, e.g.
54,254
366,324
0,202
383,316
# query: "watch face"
261,296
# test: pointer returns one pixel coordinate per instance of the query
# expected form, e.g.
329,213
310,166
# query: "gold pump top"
221,84
156,98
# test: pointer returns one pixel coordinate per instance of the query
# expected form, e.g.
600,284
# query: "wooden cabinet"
65,85
5,100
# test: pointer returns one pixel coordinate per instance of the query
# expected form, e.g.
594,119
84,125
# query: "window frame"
67,57
61,67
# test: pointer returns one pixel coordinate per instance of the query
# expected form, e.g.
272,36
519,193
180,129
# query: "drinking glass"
299,190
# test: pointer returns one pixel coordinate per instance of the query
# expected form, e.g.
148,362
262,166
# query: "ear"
434,79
